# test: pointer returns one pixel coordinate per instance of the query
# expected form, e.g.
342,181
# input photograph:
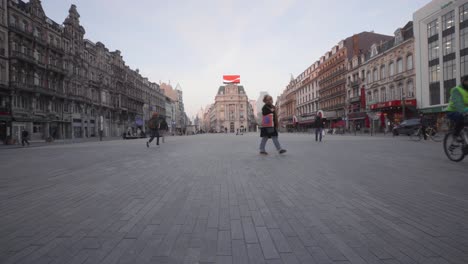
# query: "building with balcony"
307,103
441,53
57,84
231,110
388,77
333,71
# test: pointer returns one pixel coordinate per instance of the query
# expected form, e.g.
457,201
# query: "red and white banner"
231,78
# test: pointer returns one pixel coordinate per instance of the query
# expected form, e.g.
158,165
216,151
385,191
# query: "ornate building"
333,70
56,84
232,110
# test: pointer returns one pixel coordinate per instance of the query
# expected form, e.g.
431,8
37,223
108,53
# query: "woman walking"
269,126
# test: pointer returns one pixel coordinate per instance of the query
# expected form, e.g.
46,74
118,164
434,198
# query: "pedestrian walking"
318,127
269,126
164,128
24,137
100,134
153,125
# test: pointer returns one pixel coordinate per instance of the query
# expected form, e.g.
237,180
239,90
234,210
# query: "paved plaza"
214,199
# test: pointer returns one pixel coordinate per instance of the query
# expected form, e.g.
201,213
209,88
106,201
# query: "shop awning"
437,109
357,116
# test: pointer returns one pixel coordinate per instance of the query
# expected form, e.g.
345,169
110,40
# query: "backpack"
152,124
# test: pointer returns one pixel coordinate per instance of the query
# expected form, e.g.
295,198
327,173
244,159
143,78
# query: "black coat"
318,122
269,131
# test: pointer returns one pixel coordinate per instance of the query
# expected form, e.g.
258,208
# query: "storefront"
356,121
437,117
393,111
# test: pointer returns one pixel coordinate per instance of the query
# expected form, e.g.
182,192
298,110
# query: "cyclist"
458,105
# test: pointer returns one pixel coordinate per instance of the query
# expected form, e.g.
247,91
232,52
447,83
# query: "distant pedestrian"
164,128
269,126
154,125
100,134
318,127
424,125
24,137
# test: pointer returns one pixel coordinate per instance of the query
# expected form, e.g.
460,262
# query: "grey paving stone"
193,196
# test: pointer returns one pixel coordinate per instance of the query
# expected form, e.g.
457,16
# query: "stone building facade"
231,110
57,84
389,79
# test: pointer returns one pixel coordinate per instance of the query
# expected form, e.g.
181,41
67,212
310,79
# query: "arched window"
382,72
392,93
369,77
375,75
409,62
410,89
376,95
392,68
383,94
399,92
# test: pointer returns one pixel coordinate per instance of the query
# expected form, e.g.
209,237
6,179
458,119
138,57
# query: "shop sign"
394,103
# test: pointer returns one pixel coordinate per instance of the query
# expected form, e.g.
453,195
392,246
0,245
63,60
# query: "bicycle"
431,133
457,148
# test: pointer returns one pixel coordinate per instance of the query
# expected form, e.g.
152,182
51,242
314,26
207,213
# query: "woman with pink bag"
269,126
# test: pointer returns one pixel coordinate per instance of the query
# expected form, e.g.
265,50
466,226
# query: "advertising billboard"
231,79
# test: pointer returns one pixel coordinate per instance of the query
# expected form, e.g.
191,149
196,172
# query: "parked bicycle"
431,132
457,148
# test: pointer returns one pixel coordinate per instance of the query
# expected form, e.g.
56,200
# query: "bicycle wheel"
416,136
435,136
453,148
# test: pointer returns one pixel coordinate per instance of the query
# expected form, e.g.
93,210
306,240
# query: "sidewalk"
41,143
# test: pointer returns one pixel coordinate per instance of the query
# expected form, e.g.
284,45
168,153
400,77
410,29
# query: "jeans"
264,141
154,134
23,140
458,119
318,131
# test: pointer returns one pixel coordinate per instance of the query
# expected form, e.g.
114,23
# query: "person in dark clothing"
24,137
424,125
269,126
164,127
318,127
154,126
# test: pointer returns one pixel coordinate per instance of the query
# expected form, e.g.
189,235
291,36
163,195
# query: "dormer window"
374,50
398,36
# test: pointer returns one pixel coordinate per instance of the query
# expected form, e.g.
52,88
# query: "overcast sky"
195,42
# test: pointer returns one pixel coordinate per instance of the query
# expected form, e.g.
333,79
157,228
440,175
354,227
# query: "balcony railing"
355,83
56,68
355,99
23,56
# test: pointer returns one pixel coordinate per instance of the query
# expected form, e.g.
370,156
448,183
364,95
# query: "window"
399,65
36,79
463,12
369,77
410,89
433,50
376,95
448,19
392,93
409,62
463,65
399,91
392,68
383,95
434,73
432,28
375,75
434,94
382,72
448,44
464,38
449,70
